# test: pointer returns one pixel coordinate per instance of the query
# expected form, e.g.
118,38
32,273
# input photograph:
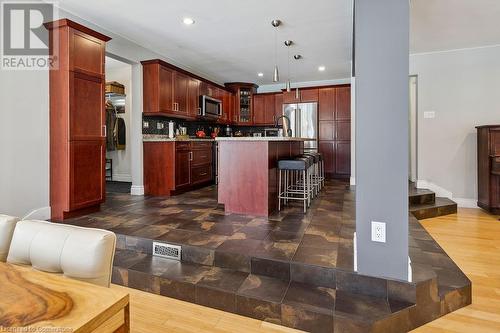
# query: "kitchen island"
248,172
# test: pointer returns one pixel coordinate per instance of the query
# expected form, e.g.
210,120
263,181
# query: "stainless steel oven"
210,107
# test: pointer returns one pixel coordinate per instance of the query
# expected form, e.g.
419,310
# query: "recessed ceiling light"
260,74
321,68
188,21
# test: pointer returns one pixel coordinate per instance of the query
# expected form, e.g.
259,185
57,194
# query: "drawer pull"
203,174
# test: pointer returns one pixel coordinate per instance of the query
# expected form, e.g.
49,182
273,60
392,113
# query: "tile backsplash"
159,125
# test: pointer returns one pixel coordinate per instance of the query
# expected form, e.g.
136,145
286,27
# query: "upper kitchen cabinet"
86,48
327,103
264,109
77,120
193,98
343,103
180,94
227,107
305,95
243,94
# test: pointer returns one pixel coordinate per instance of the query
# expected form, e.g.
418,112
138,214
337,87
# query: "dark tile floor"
322,237
292,268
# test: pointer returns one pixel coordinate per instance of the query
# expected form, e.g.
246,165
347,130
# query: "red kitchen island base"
248,172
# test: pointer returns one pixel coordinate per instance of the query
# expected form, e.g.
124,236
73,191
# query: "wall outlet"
160,126
429,114
378,232
145,124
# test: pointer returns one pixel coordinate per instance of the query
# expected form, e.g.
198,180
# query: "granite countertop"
262,138
159,137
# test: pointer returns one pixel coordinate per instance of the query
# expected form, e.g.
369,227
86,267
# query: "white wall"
24,141
122,158
463,88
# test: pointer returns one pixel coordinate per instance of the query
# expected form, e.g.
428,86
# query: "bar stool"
289,170
316,172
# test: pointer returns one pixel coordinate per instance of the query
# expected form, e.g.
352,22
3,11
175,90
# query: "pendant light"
276,23
288,43
297,93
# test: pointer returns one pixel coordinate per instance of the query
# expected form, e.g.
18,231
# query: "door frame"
413,129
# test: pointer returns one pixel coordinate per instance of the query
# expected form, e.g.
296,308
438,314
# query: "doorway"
118,122
413,129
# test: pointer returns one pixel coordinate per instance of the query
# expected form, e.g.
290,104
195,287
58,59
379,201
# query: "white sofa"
81,253
7,225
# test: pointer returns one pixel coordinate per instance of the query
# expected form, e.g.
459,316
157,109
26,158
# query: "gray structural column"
381,70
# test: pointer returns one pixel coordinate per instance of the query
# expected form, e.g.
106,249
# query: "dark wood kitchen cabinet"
182,166
305,95
334,119
264,109
173,92
172,167
77,121
488,168
193,98
243,104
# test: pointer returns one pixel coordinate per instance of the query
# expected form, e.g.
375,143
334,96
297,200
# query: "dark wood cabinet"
172,167
173,92
488,168
182,168
243,102
278,106
180,93
165,90
193,98
334,114
264,108
305,95
326,101
259,109
77,122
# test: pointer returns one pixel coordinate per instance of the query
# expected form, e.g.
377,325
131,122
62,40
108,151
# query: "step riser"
428,213
419,199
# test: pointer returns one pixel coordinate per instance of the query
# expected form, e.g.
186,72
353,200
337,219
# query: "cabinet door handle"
190,155
203,174
199,111
105,129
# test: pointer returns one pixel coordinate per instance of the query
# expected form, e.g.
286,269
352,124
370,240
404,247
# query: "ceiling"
234,40
438,25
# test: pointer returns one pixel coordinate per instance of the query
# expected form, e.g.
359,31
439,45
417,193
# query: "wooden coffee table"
53,303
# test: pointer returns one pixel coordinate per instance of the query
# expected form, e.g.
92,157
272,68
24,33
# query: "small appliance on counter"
229,131
271,131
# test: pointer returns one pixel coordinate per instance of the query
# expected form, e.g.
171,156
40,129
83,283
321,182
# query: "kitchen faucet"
286,125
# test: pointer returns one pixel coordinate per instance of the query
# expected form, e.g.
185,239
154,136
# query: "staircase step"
418,196
441,206
290,303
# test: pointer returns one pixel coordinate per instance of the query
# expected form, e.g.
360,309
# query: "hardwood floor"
470,237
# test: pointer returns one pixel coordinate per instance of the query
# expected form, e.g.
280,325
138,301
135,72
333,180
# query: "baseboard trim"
137,190
122,177
440,192
466,202
42,213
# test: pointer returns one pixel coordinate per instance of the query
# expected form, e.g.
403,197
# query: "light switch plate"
429,114
378,232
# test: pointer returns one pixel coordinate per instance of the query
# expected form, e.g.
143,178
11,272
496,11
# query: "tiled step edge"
442,206
293,304
421,196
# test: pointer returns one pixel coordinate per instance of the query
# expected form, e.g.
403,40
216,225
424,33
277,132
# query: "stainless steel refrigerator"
304,122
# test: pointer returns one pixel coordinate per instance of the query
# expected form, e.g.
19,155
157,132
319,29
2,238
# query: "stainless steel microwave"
210,107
